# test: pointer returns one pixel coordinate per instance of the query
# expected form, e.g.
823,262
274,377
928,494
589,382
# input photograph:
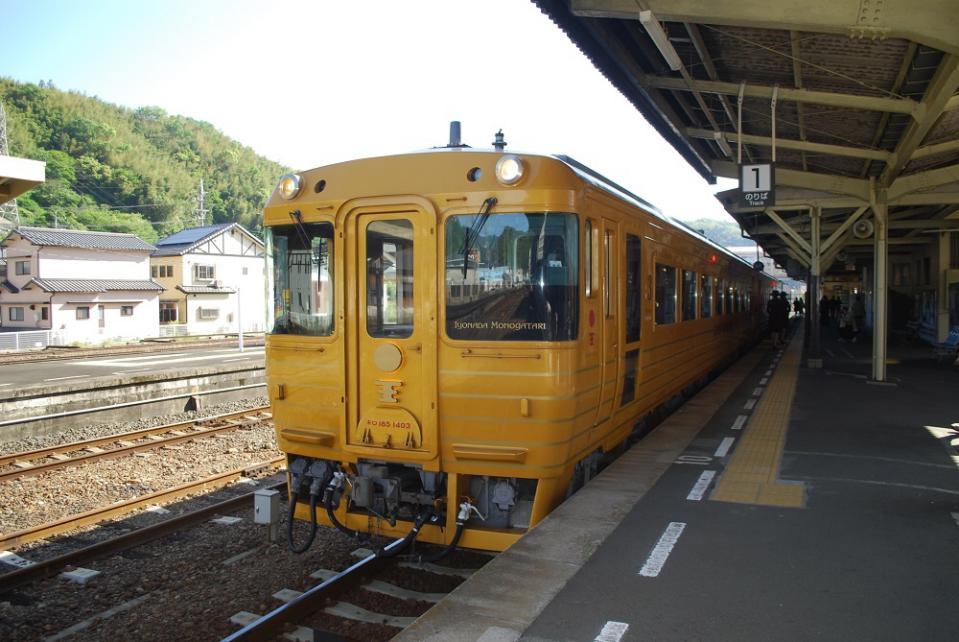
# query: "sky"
313,83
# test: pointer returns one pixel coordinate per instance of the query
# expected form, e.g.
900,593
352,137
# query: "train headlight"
289,186
510,169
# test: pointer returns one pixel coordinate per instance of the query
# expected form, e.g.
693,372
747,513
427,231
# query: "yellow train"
460,336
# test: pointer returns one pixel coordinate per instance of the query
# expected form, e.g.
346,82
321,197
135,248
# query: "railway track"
118,445
346,605
71,522
47,568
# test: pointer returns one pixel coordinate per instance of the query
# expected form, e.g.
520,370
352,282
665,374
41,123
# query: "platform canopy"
17,175
862,94
853,103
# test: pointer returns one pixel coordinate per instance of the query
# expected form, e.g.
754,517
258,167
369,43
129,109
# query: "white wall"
72,263
231,253
145,321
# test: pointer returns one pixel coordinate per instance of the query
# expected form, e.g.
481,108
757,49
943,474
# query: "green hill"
114,169
725,233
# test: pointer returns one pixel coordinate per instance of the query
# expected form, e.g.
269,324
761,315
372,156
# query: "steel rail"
116,452
117,509
312,600
47,568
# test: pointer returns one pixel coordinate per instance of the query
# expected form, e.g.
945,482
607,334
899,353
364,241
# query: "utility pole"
9,212
200,210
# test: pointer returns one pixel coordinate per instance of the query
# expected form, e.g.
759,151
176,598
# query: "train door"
609,280
393,386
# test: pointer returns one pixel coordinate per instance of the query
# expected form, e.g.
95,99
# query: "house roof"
184,241
95,285
46,236
204,289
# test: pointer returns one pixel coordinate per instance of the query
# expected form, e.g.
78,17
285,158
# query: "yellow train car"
461,335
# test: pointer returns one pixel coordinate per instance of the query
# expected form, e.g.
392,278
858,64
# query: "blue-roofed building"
213,276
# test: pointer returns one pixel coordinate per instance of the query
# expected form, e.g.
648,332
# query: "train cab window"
705,296
634,273
389,278
665,294
720,288
302,284
512,277
689,295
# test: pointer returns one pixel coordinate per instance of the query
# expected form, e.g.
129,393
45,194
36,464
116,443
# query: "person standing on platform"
859,314
824,307
798,306
778,310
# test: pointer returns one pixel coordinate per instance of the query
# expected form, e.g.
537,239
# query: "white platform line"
699,488
724,447
660,553
847,353
612,632
769,373
740,422
750,404
758,391
70,377
764,381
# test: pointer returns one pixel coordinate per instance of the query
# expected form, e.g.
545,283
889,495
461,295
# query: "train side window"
720,287
665,294
608,246
389,278
705,296
689,295
588,257
634,273
629,377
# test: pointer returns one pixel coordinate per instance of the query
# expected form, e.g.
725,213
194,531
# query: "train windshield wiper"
297,217
473,233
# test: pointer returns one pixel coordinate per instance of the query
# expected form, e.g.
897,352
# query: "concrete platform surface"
831,513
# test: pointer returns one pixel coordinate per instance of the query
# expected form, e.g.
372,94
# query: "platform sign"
757,185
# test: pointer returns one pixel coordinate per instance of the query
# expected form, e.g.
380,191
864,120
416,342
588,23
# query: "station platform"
780,502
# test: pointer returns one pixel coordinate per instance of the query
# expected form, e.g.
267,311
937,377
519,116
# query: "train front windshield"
302,278
512,277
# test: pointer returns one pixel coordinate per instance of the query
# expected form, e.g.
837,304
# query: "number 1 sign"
757,185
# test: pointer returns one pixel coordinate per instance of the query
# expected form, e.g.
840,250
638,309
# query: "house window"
168,312
3,270
154,271
23,267
126,310
44,313
204,272
83,312
208,314
16,314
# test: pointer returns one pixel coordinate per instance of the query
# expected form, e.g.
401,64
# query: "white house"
214,277
94,286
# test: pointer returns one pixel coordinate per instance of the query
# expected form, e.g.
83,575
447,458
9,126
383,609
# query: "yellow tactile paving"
752,476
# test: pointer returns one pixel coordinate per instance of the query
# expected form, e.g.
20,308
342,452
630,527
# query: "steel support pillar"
942,288
880,287
815,265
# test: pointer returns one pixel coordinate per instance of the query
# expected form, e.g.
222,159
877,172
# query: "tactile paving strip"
752,476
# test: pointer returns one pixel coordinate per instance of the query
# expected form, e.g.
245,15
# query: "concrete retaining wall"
172,392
